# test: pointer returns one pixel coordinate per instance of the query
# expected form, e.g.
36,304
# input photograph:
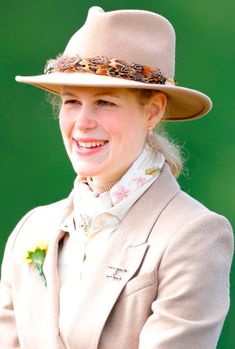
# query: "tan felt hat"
124,49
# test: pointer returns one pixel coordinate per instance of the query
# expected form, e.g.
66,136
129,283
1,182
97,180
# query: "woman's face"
103,129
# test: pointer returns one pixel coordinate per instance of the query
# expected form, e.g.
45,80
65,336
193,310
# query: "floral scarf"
114,204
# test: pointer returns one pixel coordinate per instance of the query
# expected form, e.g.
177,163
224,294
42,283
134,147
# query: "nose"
85,119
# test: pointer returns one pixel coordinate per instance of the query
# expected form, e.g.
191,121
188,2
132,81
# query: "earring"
151,139
150,131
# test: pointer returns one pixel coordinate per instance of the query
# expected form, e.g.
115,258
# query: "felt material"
135,36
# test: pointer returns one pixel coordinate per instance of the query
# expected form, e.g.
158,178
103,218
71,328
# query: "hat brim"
183,103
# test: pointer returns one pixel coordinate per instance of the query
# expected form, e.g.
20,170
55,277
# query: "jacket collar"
148,208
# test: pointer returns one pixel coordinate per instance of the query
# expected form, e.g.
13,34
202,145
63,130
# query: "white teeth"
91,144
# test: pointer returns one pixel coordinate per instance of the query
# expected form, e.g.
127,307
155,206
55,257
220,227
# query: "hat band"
101,65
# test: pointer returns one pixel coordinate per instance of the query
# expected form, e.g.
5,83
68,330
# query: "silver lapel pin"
114,272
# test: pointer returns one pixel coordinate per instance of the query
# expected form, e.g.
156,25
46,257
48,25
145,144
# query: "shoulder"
46,214
38,224
170,212
171,207
180,217
185,210
180,208
187,229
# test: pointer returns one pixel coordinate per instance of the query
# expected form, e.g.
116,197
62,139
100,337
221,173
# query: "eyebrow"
98,94
67,93
107,93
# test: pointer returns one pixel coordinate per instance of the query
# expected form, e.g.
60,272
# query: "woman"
129,260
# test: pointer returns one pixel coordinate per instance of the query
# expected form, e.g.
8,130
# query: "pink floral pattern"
146,168
140,180
121,193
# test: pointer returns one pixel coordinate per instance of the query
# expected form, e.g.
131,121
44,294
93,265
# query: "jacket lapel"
53,340
121,259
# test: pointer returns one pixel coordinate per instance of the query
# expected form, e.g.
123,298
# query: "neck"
100,187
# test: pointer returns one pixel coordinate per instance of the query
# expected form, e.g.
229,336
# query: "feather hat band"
123,49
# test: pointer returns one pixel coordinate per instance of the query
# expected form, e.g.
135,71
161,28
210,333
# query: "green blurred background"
34,167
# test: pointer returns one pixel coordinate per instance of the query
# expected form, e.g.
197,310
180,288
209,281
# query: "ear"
156,108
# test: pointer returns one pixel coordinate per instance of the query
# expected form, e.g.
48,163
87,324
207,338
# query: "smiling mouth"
88,145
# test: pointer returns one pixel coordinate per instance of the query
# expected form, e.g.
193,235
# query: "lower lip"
88,151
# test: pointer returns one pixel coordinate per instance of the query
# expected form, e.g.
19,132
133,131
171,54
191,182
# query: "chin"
85,171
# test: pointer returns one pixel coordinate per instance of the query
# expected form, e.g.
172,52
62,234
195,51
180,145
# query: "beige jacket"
173,293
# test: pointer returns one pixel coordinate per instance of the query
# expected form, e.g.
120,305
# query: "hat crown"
135,36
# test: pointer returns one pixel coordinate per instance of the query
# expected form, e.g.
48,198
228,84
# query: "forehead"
95,91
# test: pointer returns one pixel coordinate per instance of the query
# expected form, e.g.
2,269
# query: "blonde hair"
160,140
171,151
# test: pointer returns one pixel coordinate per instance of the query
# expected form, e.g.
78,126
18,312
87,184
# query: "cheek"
66,130
113,127
125,128
65,126
136,128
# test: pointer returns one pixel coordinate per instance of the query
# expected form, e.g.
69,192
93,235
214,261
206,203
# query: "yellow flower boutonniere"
36,256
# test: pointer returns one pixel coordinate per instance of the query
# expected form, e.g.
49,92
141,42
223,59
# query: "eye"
71,102
105,103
